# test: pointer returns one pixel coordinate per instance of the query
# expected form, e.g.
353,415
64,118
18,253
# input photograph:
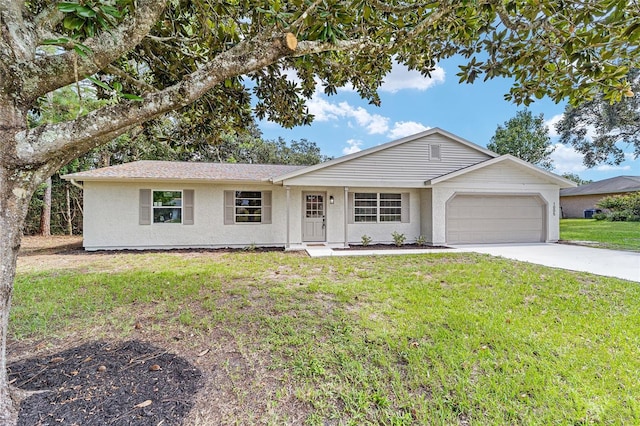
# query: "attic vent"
434,153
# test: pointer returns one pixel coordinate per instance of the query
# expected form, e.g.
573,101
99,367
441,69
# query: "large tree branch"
61,142
50,72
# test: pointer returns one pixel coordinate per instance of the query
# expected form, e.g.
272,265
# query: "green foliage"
600,129
365,240
421,240
575,178
398,239
525,137
622,207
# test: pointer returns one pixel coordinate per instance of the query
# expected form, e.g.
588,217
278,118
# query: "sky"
345,123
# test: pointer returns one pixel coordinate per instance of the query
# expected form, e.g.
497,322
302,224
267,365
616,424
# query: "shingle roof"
170,170
607,186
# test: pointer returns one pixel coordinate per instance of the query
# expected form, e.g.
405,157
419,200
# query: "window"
167,206
377,207
248,206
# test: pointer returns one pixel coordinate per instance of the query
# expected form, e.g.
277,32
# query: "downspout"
76,184
346,216
288,245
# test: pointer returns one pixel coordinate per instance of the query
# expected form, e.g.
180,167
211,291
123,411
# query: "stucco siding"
381,232
498,179
408,164
111,219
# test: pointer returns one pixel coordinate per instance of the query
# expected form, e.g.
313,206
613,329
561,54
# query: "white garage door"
495,219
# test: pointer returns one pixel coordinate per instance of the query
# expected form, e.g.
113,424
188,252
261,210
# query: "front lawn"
285,339
604,234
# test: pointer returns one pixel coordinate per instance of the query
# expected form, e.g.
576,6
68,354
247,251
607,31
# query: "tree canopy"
209,58
526,137
602,130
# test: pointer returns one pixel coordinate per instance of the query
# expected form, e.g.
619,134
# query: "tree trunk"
15,193
45,215
69,218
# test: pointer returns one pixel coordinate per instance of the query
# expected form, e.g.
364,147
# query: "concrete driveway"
610,263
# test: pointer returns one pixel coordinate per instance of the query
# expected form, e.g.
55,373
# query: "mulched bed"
130,383
391,247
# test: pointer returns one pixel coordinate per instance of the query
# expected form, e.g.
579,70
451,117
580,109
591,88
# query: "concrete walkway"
609,263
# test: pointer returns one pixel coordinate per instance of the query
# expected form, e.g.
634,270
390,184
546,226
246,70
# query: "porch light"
331,199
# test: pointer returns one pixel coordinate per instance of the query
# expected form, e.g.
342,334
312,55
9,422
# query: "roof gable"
511,162
612,185
405,161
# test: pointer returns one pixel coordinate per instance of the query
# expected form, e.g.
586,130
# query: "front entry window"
315,206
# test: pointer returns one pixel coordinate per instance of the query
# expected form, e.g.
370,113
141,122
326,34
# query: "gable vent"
434,153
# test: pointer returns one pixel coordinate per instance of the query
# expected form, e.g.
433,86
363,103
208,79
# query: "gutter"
76,184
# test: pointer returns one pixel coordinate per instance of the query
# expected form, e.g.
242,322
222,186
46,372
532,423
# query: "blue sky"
346,123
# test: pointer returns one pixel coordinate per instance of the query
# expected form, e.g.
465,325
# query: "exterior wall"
573,207
403,165
497,179
111,218
381,232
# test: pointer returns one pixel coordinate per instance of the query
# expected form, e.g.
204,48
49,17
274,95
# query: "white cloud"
324,110
353,146
551,124
401,78
610,168
406,128
567,160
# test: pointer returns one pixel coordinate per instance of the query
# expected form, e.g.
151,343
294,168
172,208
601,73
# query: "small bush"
622,208
398,239
365,240
421,240
600,216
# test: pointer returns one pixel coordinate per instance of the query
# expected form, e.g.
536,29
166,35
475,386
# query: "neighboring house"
433,184
575,201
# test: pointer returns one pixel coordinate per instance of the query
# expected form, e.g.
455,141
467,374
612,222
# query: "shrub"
366,240
421,240
600,216
622,207
398,239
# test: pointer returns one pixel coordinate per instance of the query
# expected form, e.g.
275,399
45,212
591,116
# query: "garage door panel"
494,219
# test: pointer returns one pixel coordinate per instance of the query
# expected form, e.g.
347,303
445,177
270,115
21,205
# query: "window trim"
247,215
181,206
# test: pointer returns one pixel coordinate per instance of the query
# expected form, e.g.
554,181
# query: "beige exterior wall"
111,219
497,179
573,207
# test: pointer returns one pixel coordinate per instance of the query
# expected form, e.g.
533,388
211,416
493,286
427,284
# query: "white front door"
314,217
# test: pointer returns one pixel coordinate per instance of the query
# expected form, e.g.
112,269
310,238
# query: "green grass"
612,235
398,340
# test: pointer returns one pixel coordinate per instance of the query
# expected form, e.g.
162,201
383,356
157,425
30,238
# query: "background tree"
525,137
575,178
149,57
597,128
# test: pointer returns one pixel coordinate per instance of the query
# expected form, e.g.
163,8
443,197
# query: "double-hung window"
247,207
375,207
167,206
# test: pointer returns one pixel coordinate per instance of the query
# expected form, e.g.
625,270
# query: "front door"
314,218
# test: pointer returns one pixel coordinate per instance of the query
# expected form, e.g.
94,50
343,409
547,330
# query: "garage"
473,219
